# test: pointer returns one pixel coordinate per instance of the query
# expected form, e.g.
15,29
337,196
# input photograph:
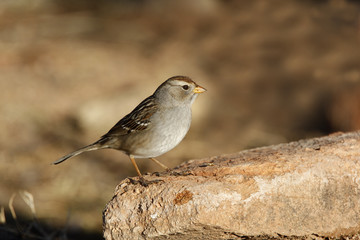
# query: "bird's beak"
199,89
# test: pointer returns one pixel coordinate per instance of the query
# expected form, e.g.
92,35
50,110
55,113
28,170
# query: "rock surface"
304,189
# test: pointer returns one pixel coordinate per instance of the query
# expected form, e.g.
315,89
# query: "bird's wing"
137,120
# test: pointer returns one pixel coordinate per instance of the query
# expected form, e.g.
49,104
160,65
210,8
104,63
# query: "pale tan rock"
307,189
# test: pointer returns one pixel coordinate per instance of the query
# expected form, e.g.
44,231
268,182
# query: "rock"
304,189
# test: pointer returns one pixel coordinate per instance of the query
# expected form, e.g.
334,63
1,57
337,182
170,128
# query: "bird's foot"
182,173
172,172
163,173
143,182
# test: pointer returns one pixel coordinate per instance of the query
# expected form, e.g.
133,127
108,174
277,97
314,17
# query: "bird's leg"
142,180
135,165
162,165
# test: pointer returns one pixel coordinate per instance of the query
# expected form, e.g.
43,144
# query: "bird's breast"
173,126
166,130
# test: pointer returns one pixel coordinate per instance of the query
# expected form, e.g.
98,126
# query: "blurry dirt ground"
275,71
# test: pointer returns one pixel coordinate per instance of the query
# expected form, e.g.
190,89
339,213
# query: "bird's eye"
185,87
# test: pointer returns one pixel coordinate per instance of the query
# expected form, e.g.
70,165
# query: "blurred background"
276,71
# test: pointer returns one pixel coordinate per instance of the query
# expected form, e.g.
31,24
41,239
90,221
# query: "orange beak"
199,89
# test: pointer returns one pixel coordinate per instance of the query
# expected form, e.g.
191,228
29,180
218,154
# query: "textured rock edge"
304,189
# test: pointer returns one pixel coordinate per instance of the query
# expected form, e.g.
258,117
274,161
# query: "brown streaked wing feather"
137,120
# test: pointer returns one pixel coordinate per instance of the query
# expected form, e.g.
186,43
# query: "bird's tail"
91,147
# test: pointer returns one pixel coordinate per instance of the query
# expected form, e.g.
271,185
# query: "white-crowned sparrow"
155,126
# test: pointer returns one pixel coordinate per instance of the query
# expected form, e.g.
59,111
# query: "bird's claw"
143,182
